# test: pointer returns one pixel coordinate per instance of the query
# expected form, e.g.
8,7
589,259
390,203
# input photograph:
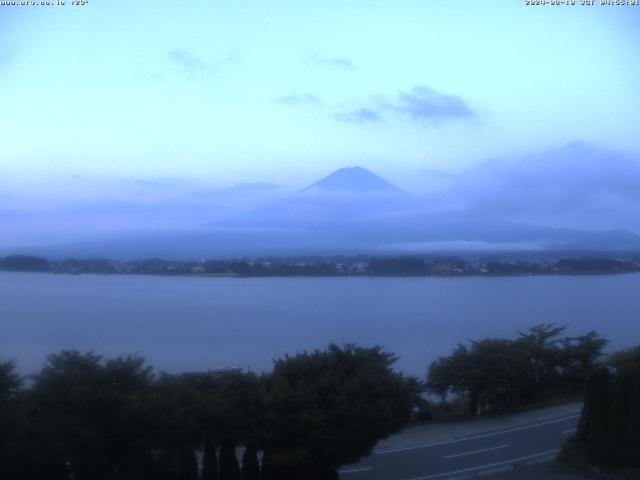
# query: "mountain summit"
354,179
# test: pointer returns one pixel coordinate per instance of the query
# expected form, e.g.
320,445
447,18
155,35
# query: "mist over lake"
183,323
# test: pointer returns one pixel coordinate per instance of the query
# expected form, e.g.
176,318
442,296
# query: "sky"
212,93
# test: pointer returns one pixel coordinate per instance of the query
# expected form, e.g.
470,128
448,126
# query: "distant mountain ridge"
354,179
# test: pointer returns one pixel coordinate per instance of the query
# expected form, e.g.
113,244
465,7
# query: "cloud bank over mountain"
578,185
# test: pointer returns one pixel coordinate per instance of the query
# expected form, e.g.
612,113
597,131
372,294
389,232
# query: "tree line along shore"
83,416
334,266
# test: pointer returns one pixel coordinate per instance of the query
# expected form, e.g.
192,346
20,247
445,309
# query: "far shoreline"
405,266
240,277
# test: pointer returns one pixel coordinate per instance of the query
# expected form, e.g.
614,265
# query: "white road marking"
476,451
355,470
482,467
466,439
571,430
493,471
537,461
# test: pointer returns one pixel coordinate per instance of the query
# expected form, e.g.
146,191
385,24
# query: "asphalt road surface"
475,456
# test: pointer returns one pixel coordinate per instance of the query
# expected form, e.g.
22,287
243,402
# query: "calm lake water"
181,323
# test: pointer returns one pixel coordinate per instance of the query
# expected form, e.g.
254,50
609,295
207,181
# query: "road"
477,455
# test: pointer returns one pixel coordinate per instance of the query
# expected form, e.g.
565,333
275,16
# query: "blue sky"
286,91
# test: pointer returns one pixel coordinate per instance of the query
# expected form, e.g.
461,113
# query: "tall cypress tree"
618,418
229,468
584,425
609,427
210,460
632,443
250,464
597,428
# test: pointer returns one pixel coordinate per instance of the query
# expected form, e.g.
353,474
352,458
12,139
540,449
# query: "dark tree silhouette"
87,416
500,374
250,464
209,459
229,468
609,428
12,460
329,408
621,390
90,418
188,464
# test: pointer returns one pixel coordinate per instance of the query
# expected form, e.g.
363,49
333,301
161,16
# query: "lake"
181,323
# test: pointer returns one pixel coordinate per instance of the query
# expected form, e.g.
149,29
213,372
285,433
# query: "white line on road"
571,430
355,470
482,467
476,451
474,437
538,461
493,471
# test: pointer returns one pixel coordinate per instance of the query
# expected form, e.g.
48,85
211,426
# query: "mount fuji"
353,179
